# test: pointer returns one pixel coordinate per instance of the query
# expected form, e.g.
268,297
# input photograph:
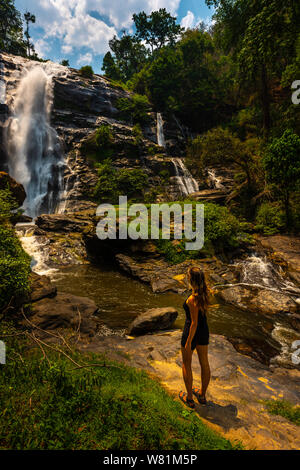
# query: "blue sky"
79,30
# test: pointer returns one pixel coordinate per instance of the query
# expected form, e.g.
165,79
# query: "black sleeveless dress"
201,336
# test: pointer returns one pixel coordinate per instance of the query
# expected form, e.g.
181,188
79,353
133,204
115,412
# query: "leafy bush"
97,408
113,183
222,231
221,227
270,219
7,205
100,145
14,262
282,165
134,110
86,71
217,146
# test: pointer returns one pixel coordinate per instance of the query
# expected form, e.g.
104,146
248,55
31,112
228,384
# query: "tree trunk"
265,98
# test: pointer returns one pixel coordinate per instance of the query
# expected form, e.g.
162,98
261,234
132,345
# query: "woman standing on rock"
195,336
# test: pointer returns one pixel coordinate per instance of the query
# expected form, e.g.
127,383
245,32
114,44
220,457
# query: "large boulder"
153,320
258,299
65,311
63,222
17,190
41,287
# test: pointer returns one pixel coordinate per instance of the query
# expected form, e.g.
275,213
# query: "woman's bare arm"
194,321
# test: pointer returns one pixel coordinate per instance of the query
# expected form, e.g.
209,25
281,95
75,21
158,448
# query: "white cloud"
85,59
188,21
42,47
71,22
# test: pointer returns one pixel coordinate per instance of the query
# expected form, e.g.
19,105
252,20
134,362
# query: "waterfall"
160,131
38,247
186,183
35,157
2,85
259,271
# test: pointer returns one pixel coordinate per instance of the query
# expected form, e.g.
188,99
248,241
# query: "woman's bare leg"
187,371
205,369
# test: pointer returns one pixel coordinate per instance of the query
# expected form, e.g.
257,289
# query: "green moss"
285,409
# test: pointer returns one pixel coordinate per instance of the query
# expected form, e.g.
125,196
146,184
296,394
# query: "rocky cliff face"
80,106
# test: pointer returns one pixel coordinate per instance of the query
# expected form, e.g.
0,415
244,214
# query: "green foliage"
112,406
86,71
7,205
100,145
134,110
14,262
187,79
157,29
138,134
219,146
129,56
282,164
222,231
11,29
65,63
113,183
285,409
270,219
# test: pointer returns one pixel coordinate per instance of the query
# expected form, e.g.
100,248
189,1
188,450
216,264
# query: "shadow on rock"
224,416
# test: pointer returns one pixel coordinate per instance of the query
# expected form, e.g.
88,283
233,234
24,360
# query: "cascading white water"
214,180
2,85
37,247
35,156
186,183
160,131
258,271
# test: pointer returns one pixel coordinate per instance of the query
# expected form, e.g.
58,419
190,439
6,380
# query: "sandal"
201,399
183,397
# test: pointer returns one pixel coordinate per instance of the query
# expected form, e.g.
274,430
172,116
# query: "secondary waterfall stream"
35,157
184,180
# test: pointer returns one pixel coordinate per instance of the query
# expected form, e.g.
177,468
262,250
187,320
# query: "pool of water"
120,299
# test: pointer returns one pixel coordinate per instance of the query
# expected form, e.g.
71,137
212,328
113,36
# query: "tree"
11,30
129,57
157,29
29,18
110,67
282,165
65,63
261,34
86,71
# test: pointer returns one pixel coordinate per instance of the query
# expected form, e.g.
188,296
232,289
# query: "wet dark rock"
16,188
65,311
294,320
261,351
63,222
153,320
41,287
257,299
